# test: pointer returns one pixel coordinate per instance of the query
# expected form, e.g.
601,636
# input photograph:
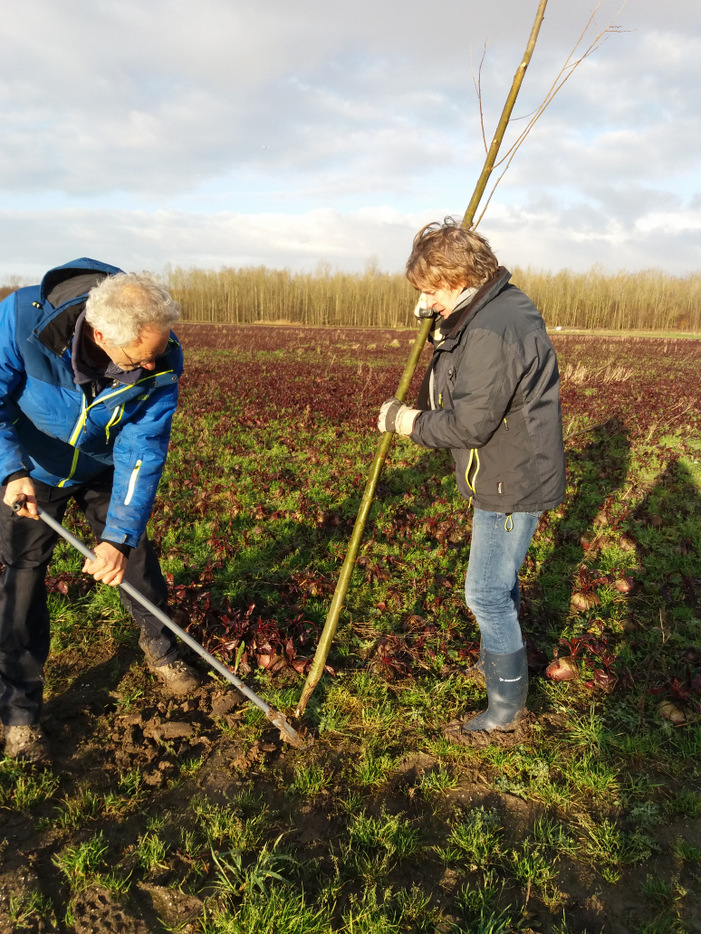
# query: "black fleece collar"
84,368
66,291
454,323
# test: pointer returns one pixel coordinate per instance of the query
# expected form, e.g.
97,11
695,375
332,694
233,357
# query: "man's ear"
98,337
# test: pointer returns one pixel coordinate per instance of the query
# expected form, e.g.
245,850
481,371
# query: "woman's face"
442,301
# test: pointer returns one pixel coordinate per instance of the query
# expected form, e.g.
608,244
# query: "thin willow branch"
562,77
477,83
497,139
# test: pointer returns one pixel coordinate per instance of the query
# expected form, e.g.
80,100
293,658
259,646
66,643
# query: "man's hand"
22,491
395,416
109,564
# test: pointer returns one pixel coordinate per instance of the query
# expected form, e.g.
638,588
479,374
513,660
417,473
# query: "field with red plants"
632,420
194,816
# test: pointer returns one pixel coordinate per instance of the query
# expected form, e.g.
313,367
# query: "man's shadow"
73,708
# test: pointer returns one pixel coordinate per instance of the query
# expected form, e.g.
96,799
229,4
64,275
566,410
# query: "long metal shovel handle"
275,717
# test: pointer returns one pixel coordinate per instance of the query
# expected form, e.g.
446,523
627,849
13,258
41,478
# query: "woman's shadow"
596,472
666,530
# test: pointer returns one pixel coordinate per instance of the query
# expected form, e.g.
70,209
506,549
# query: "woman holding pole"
490,395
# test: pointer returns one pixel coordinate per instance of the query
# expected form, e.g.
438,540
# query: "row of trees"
649,300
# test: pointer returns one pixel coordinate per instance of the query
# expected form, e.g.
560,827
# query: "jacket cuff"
404,422
17,475
123,549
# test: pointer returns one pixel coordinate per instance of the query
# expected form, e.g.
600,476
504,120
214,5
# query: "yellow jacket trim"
116,418
82,418
74,464
474,459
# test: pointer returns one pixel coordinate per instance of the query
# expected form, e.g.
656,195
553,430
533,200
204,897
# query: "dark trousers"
26,546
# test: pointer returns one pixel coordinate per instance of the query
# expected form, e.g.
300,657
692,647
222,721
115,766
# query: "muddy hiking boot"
177,676
179,679
506,677
28,743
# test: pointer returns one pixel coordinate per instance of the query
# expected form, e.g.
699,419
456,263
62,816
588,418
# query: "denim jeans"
26,549
498,548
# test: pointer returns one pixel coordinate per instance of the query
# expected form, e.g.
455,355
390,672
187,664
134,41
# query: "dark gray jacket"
493,389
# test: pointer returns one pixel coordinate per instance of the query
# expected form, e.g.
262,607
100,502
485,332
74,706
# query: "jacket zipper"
474,459
132,483
116,417
83,417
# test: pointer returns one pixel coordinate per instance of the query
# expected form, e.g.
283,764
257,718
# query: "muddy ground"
94,739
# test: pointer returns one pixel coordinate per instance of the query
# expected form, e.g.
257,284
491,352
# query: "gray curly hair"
121,306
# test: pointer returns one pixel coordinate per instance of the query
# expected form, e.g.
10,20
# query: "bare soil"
94,740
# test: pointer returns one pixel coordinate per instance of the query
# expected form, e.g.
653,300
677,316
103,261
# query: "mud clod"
96,911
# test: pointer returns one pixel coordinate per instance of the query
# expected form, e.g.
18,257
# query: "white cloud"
227,132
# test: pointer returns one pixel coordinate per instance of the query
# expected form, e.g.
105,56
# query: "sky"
314,135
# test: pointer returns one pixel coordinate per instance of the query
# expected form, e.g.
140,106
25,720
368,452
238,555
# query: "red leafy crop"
241,638
252,387
596,655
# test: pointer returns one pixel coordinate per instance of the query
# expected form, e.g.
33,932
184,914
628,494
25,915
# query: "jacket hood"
63,293
93,270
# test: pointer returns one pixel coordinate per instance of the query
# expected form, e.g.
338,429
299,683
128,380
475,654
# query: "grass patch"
382,825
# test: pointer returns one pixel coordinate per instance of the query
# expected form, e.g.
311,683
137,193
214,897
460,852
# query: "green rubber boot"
506,677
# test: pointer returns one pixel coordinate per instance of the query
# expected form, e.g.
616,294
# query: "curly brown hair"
445,255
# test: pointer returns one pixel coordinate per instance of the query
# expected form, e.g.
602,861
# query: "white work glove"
395,416
421,309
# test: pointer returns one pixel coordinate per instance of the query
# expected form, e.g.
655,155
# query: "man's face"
141,353
442,301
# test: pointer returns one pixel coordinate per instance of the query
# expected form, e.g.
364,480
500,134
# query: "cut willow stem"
329,631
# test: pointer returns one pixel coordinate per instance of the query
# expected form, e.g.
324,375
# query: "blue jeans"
498,548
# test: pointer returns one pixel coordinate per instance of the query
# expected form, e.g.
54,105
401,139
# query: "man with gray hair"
89,372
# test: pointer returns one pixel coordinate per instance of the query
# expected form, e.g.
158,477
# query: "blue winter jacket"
50,428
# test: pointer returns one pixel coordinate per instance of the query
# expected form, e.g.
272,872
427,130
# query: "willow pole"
329,631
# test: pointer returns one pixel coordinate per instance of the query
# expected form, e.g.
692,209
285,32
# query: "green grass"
382,825
83,862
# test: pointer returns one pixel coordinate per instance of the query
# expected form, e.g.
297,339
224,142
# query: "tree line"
650,300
